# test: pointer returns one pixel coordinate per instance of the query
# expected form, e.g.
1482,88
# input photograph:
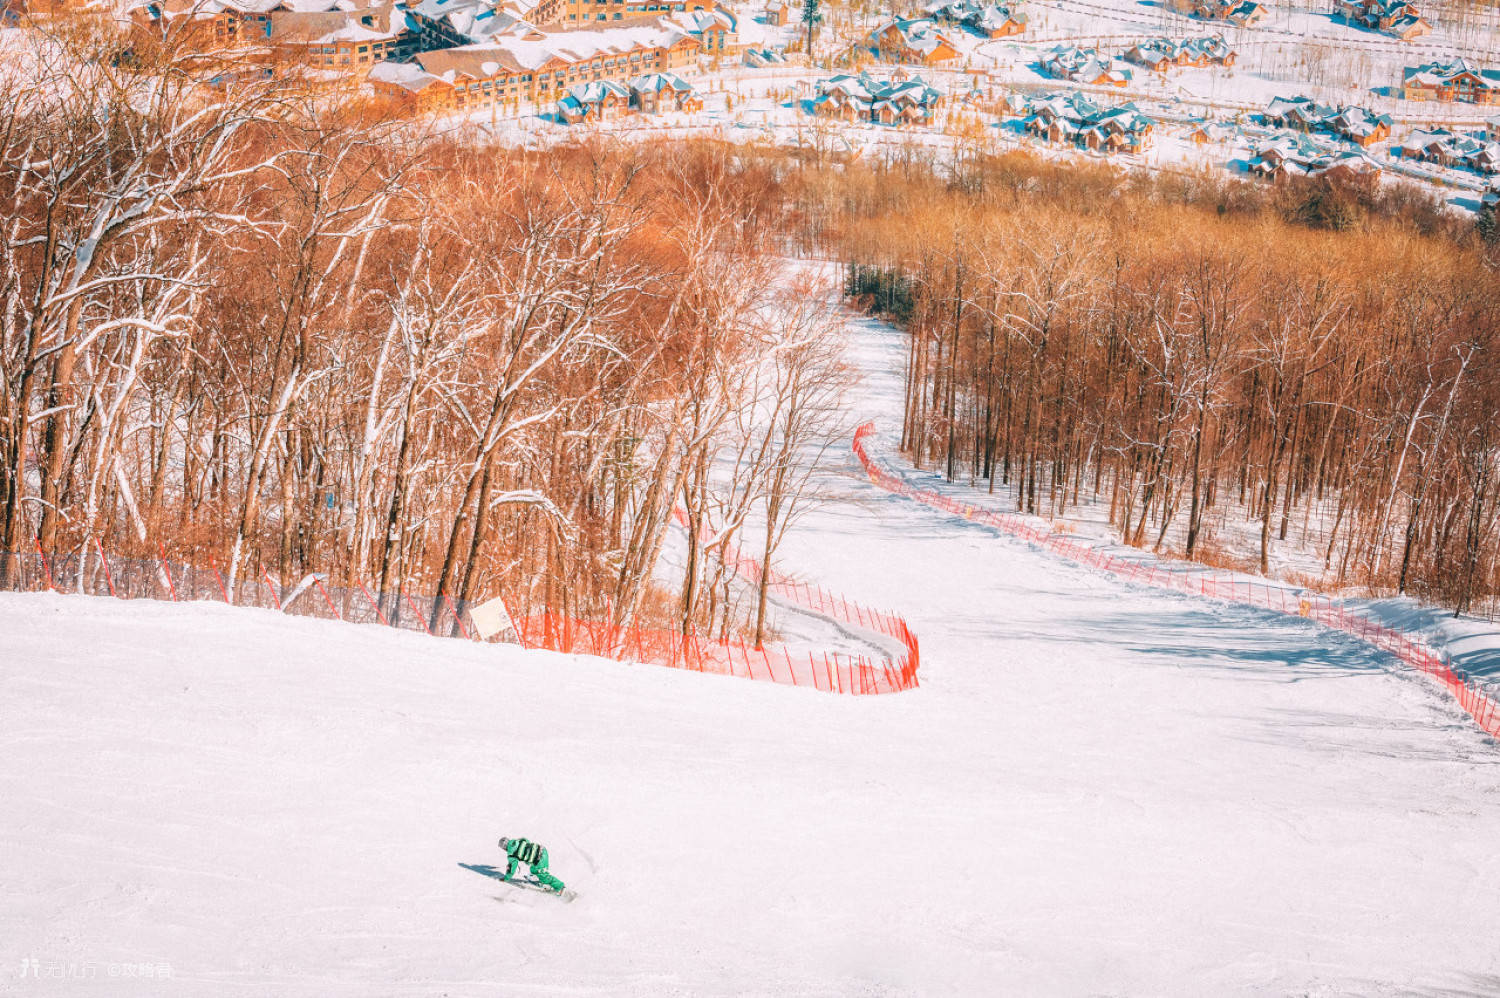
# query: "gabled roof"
866,89
471,61
919,34
1475,150
1124,118
659,82
595,91
1302,108
1154,50
1075,113
1440,73
696,22
327,26
1069,62
406,75
1302,155
1073,105
476,20
991,17
1359,121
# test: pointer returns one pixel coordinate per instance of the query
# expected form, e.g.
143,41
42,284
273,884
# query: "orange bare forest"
259,325
1302,379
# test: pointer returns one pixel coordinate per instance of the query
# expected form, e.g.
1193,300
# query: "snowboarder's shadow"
525,883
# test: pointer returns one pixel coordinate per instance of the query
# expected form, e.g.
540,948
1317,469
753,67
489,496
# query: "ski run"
1098,789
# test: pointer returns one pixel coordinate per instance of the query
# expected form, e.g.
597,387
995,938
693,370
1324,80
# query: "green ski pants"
539,871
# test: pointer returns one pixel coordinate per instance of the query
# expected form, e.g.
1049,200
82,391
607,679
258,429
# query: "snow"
1099,788
754,32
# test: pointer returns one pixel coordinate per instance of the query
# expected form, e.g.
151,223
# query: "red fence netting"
1188,578
93,571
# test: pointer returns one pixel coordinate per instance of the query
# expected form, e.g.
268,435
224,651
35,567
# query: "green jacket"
525,851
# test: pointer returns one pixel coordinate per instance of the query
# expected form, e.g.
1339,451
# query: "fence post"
265,574
214,564
380,616
167,570
328,600
46,567
103,560
456,616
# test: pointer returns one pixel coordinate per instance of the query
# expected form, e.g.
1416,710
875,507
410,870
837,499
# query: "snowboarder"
534,856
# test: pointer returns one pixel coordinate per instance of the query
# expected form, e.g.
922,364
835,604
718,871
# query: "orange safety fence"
1188,578
819,600
93,571
828,671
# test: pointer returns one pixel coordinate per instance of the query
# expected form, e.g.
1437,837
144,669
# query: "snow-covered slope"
1097,789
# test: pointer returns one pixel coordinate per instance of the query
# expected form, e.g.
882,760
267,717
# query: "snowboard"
525,883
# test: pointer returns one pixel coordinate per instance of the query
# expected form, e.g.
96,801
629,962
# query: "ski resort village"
699,497
1201,86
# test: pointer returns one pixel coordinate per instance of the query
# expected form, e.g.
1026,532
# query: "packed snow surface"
1099,789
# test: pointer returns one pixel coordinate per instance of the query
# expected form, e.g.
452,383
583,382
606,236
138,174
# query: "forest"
1220,374
262,326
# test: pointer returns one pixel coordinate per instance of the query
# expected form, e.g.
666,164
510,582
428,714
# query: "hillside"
1098,787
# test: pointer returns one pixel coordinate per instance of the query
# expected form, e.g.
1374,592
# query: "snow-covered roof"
991,18
585,99
1350,120
1303,155
985,17
405,75
1071,106
1073,114
695,22
1069,62
868,90
199,9
354,33
1439,73
366,24
518,54
763,57
258,6
658,82
1474,150
918,34
1359,122
595,91
1155,50
474,20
